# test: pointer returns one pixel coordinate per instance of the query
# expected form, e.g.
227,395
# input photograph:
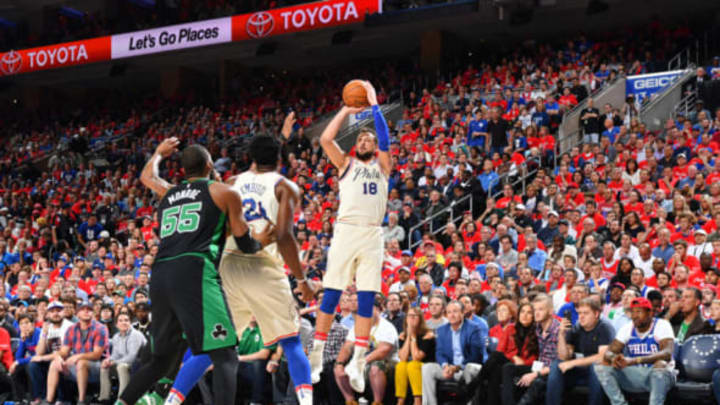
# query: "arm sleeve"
381,128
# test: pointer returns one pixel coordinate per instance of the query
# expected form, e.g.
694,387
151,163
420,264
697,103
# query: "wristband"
247,244
274,362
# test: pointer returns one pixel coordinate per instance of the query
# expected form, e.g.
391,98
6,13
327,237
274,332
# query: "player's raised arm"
327,139
381,128
150,175
288,197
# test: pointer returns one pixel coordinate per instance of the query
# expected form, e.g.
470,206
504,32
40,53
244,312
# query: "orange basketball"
354,94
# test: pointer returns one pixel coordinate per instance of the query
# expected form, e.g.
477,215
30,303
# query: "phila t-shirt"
384,331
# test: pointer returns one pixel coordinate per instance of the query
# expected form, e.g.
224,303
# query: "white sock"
174,398
319,345
304,394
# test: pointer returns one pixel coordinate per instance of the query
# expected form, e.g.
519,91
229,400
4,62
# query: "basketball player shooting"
357,245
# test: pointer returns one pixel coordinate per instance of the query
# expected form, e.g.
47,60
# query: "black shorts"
188,303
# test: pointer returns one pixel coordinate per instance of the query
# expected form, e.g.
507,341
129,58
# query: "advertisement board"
644,86
55,56
303,17
262,24
171,38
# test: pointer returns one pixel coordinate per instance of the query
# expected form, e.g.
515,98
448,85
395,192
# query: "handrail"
450,209
685,104
678,81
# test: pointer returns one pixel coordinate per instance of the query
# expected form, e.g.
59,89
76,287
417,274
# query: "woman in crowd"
517,345
417,346
506,312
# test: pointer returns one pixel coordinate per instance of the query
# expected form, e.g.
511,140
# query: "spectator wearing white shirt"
403,280
381,357
701,244
645,260
393,231
626,248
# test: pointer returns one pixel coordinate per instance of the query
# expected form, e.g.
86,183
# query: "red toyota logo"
260,24
10,63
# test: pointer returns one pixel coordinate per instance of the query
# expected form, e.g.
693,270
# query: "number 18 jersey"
260,205
363,193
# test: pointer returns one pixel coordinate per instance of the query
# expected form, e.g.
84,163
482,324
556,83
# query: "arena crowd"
620,238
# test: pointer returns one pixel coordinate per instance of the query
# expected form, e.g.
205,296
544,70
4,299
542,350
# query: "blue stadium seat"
700,356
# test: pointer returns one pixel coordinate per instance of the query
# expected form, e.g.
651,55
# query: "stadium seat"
700,356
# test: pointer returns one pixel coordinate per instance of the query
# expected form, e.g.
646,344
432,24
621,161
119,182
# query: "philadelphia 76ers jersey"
363,193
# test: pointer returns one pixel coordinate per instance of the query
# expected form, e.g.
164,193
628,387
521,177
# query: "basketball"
354,94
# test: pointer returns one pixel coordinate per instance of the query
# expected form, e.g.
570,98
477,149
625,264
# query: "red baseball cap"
641,303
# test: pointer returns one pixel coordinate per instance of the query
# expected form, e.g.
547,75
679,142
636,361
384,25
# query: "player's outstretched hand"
266,236
307,290
168,146
288,125
371,94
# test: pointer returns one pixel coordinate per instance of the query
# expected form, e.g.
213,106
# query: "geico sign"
310,16
653,82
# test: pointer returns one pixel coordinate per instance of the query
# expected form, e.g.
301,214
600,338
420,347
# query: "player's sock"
361,347
355,369
175,397
319,342
299,368
190,373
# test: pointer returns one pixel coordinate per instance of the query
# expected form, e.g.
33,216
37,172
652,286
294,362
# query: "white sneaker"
355,371
316,365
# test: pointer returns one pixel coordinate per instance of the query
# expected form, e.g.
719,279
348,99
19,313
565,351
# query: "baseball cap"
55,304
700,232
142,306
553,213
618,285
564,222
641,303
520,207
84,304
406,253
403,268
682,155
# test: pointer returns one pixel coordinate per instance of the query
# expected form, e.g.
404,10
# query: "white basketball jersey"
363,193
257,191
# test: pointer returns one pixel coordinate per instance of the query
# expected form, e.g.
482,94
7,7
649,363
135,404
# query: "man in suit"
459,352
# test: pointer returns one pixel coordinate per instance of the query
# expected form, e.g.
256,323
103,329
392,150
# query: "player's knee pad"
366,301
331,297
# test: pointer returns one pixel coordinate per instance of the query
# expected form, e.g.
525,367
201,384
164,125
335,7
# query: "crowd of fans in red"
85,229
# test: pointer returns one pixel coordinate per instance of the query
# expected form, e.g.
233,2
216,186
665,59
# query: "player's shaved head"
264,151
195,159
